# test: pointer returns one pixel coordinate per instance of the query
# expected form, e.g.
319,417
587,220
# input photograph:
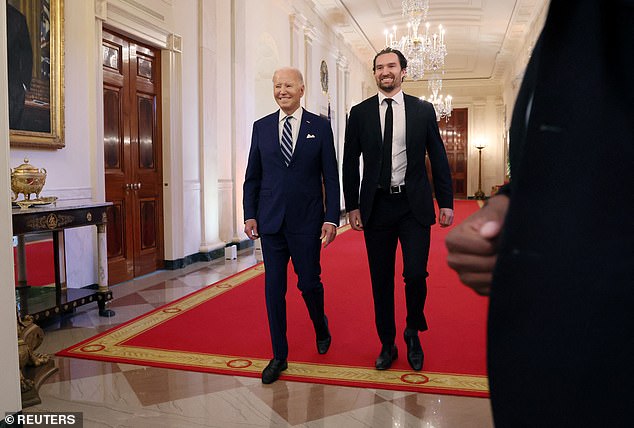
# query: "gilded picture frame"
36,102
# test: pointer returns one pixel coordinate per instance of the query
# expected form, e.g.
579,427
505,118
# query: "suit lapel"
375,111
274,132
410,120
306,127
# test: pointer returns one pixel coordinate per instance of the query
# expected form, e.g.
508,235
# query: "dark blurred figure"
20,64
556,248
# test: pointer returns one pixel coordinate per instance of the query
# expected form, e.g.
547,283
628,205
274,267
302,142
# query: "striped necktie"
287,140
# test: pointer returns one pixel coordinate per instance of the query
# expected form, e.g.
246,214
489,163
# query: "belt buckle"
395,190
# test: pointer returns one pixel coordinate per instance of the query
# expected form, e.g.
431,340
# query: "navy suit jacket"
303,195
363,136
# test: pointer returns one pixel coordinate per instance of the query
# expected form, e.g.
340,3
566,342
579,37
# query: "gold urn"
27,179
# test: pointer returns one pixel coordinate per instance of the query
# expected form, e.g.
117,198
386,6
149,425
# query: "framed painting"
35,57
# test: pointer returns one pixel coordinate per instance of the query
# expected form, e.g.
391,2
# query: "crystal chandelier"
442,106
415,10
424,52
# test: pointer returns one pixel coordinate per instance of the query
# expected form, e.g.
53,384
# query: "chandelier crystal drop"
415,10
442,105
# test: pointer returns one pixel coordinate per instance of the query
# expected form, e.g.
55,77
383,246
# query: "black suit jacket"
19,63
363,137
562,300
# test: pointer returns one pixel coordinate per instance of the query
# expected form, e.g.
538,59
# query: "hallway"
123,395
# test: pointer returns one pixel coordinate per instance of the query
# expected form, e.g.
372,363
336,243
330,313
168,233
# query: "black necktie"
385,178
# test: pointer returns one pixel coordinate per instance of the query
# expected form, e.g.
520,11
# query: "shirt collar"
398,97
297,115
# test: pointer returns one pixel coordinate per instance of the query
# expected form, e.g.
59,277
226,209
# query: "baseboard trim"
204,257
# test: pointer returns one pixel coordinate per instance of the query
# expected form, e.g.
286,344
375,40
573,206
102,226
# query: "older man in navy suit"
291,201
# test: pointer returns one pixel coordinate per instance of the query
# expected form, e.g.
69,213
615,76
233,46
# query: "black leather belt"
394,190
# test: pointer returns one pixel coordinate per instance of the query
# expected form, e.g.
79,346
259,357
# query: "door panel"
132,157
454,135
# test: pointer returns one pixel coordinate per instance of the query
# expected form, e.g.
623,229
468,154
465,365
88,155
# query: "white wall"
217,62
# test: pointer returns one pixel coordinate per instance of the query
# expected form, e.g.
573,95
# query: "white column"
310,97
343,77
173,180
297,25
208,145
10,399
98,170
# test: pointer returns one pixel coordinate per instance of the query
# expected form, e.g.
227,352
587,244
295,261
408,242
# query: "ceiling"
483,37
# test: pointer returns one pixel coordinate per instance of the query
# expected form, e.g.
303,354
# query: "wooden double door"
132,157
454,133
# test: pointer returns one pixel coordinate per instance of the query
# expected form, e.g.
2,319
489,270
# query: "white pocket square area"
310,136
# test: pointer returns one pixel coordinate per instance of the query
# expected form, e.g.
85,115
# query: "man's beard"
388,87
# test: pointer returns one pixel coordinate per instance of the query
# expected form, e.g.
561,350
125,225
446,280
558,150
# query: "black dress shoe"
415,355
324,344
273,371
387,355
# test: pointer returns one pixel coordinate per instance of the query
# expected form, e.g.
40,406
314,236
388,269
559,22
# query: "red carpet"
214,330
40,263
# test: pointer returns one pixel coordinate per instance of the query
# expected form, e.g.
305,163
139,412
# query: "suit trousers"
304,252
390,222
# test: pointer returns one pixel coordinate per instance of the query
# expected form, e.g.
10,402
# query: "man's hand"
473,245
251,229
354,217
446,217
328,233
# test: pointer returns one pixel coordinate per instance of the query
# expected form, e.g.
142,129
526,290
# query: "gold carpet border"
111,345
239,365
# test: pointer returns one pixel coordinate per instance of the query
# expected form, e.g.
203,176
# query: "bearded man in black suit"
393,131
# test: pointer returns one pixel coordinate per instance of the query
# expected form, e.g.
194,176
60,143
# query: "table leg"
21,256
102,256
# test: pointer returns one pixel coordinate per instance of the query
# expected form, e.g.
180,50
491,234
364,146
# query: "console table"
45,302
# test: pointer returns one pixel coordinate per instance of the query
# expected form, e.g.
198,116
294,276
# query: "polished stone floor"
123,395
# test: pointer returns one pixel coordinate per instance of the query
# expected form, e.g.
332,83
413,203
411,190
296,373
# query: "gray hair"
298,73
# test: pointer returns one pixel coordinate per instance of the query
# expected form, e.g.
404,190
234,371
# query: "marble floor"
123,395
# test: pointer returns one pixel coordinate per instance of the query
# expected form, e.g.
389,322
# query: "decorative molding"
151,28
298,21
204,257
101,9
310,34
225,184
342,62
175,43
189,185
145,9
